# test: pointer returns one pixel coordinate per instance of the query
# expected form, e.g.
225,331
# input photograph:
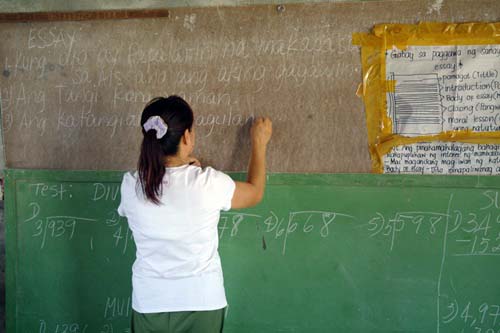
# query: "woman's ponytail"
151,166
163,123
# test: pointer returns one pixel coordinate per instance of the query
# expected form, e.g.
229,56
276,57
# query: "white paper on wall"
453,158
443,88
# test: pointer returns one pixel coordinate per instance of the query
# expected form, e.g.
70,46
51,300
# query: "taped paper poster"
432,90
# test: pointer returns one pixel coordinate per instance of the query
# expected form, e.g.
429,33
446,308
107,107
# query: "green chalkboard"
322,253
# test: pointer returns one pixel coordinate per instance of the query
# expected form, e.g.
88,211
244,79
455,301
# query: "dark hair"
178,116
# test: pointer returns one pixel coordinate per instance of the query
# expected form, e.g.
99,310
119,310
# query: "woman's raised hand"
261,131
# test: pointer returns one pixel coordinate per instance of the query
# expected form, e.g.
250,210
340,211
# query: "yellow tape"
432,33
375,87
390,86
363,39
359,91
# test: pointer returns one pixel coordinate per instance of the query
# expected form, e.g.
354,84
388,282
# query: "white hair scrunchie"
158,124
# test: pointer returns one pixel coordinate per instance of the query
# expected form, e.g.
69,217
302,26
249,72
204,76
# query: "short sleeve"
222,188
121,210
123,196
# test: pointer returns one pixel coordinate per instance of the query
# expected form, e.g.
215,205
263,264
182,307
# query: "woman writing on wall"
173,207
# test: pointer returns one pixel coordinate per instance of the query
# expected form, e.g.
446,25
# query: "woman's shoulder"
212,178
129,178
206,177
216,187
206,172
130,175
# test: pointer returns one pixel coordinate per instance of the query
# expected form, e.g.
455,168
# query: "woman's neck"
175,161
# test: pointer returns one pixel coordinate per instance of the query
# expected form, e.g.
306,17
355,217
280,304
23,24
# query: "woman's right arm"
251,192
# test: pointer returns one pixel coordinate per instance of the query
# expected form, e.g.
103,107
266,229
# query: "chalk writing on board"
31,123
234,74
105,192
23,64
110,328
53,36
82,96
230,222
117,307
421,222
113,219
493,199
57,228
475,233
284,231
54,227
88,119
123,237
480,317
312,222
225,119
197,53
106,78
481,246
210,98
55,191
85,84
121,97
75,327
197,80
298,74
108,56
17,96
482,234
62,328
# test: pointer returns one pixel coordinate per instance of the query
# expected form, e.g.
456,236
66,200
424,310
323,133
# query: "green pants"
178,322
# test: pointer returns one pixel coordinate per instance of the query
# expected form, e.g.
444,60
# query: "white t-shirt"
177,266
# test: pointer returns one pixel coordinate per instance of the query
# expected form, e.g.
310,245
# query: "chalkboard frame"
13,176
